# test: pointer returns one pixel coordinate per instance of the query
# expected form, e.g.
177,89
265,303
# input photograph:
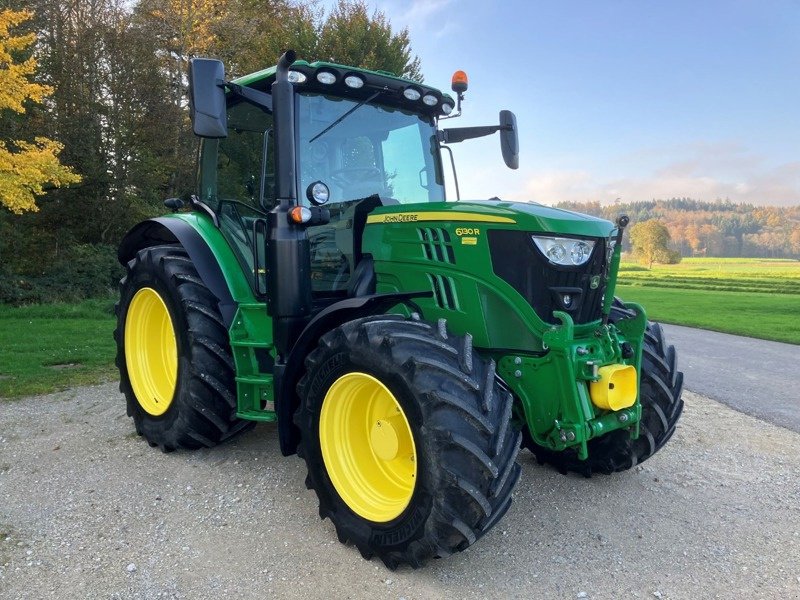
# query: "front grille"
517,260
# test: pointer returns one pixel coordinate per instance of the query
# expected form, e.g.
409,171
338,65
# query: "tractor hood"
532,217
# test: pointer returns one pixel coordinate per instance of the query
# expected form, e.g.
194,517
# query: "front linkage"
574,392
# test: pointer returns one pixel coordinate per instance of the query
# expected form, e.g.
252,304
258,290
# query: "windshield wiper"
347,114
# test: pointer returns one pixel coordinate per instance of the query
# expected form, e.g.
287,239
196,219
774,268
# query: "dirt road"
88,510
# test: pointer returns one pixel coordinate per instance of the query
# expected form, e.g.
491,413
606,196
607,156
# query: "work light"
354,81
326,77
411,93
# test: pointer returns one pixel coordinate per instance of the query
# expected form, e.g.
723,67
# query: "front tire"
660,397
173,354
446,475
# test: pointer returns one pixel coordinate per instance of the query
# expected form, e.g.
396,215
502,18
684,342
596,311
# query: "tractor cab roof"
359,84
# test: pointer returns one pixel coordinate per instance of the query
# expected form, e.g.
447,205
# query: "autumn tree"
650,240
26,167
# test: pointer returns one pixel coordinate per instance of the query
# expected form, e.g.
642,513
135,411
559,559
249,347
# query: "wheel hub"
367,447
151,351
384,440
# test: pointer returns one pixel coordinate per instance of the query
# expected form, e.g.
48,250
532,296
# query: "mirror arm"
459,134
253,96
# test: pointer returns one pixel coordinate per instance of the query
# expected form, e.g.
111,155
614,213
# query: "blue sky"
621,98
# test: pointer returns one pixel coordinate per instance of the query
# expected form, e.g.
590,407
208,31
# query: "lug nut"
517,373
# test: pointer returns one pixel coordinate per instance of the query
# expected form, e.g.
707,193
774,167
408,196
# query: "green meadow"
744,296
50,347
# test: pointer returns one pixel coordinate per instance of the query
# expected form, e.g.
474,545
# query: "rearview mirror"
509,139
207,98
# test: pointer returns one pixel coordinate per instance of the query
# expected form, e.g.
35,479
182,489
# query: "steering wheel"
355,175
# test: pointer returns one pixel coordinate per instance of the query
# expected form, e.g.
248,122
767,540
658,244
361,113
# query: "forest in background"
119,109
714,229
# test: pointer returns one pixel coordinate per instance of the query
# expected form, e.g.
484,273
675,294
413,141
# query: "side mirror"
509,139
207,98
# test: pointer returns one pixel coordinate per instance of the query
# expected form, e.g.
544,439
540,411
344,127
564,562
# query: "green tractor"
406,346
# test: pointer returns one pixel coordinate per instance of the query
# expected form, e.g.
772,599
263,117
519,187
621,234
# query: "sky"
629,99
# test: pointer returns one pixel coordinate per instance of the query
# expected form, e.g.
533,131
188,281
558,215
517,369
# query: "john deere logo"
594,282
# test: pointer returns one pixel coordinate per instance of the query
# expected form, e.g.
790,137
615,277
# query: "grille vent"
436,244
444,291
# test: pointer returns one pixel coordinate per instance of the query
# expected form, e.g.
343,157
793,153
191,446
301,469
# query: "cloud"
420,11
418,15
704,172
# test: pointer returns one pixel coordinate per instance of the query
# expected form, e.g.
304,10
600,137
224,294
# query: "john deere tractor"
405,346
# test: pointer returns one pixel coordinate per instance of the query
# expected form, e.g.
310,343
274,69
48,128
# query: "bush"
84,271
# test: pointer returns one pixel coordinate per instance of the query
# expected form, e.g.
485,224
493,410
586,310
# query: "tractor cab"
362,139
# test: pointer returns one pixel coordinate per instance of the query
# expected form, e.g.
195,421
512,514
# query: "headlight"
564,251
318,193
296,77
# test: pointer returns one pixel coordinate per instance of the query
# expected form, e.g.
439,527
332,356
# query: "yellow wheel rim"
151,352
367,447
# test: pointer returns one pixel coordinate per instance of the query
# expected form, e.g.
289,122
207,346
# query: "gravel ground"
89,510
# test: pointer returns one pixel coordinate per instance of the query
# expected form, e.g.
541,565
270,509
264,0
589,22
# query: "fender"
167,230
288,372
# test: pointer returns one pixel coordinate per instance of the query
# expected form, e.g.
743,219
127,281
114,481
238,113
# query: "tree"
351,36
26,167
649,240
737,226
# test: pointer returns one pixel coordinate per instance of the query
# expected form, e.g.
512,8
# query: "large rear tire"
445,475
175,362
660,397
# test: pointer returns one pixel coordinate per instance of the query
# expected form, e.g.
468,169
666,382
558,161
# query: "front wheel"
407,438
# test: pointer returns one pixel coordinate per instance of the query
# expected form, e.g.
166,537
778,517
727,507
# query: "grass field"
44,348
753,297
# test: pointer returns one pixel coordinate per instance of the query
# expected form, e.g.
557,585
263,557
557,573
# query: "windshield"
373,150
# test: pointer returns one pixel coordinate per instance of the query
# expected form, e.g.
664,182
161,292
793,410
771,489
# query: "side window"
234,176
409,165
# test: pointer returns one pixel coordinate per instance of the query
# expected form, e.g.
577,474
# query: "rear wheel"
407,438
660,397
175,362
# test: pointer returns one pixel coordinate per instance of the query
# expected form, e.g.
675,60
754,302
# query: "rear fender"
170,230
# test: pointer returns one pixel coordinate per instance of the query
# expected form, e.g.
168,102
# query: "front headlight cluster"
567,252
